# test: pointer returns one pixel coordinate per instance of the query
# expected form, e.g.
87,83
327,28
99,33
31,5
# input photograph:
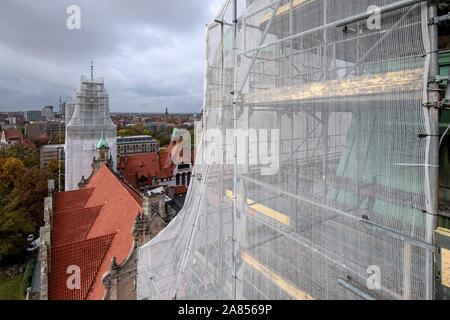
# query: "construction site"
351,97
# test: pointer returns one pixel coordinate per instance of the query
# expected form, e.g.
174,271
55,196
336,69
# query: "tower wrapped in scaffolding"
327,188
89,120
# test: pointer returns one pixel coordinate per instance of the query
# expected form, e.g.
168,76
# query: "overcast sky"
150,52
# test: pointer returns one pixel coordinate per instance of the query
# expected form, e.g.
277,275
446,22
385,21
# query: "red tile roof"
73,226
145,167
88,255
72,200
138,167
28,144
180,190
106,207
13,134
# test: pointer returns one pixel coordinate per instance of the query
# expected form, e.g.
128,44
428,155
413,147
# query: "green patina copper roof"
102,144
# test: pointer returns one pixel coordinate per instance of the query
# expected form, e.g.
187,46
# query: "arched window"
189,179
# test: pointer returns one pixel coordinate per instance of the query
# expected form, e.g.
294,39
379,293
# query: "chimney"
171,192
154,203
51,187
146,206
48,210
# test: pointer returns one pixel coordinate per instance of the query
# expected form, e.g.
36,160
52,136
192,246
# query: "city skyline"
148,62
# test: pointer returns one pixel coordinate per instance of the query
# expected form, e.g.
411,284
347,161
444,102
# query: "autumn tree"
22,192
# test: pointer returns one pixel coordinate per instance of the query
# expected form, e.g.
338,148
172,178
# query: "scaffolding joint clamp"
445,104
439,20
432,21
437,79
435,105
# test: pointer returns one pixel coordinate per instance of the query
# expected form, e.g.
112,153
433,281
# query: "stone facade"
120,282
45,246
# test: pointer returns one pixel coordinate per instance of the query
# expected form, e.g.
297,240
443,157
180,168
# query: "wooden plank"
408,80
278,280
264,210
284,9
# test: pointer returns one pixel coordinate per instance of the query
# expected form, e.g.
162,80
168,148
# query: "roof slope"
88,255
72,200
73,226
97,227
13,134
139,166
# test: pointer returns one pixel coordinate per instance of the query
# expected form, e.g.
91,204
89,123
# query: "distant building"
34,115
136,145
69,109
143,171
34,130
13,136
53,128
15,120
51,152
47,112
155,125
90,120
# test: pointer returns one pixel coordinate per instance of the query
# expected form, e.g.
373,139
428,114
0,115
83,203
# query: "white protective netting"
341,112
89,118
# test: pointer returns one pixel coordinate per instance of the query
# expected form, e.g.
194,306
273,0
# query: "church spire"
92,70
102,144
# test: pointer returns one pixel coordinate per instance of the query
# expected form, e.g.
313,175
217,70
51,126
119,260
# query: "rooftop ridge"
87,239
74,210
73,191
112,237
125,186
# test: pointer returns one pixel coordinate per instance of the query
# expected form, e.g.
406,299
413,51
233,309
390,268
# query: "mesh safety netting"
332,188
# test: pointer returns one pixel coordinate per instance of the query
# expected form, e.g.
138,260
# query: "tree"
161,134
29,158
15,225
55,170
58,139
11,169
22,193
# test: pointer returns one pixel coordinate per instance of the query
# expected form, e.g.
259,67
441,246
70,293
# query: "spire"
92,70
102,144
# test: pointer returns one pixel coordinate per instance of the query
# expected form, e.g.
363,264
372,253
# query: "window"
154,208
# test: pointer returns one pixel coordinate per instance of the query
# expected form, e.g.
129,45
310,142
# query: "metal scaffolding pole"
433,114
221,191
340,23
235,143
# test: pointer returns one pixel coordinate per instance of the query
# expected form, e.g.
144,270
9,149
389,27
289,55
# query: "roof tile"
100,218
73,226
88,255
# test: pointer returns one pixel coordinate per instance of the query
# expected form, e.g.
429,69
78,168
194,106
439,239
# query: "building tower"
102,157
90,122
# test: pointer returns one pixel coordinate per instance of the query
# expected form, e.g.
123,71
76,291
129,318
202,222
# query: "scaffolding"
88,118
351,209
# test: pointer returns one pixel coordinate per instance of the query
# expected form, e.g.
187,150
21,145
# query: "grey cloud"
150,52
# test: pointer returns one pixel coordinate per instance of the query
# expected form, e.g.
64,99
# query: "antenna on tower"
92,70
